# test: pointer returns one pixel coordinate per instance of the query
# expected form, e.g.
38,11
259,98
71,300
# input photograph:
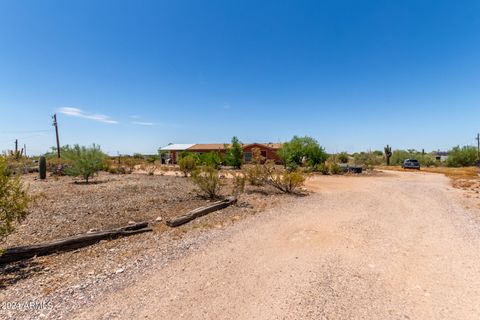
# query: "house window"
247,156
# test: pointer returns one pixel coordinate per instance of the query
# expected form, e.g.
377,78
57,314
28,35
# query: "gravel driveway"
402,246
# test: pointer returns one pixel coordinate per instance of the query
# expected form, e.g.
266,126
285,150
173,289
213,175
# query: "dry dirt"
74,279
402,246
397,246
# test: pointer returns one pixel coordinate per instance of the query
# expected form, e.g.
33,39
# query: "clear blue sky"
135,75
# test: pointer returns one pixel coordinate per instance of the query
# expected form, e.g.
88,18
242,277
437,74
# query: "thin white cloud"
75,112
141,123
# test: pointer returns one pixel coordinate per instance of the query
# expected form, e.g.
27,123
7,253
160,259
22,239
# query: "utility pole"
55,124
478,146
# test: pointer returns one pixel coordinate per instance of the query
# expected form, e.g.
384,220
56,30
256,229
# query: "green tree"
14,200
84,161
302,149
235,154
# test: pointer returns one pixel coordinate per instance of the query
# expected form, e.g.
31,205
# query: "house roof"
207,146
270,145
177,146
212,146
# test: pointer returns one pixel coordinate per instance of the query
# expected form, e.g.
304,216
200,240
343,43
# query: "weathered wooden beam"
179,220
70,243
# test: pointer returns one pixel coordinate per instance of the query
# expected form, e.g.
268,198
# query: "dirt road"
394,247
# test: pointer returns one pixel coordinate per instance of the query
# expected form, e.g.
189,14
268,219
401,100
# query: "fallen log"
70,243
179,220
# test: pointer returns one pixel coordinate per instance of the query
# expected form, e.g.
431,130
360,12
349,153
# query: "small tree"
14,200
235,154
86,162
208,182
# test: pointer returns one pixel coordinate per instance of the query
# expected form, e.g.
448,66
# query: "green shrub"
187,164
211,159
84,161
14,200
335,168
208,182
322,168
462,156
342,157
368,159
398,156
301,150
428,160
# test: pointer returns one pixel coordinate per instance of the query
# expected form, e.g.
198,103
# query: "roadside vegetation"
14,200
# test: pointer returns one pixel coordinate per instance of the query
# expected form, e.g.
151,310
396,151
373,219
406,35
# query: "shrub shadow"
14,272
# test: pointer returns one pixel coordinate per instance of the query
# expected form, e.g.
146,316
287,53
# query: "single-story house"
267,150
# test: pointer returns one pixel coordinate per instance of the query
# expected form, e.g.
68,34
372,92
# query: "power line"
23,131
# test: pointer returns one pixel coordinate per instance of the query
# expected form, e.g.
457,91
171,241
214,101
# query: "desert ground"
398,245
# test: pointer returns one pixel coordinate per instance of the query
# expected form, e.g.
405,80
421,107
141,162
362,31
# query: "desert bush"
254,174
86,162
342,157
211,159
428,160
368,159
238,185
322,168
287,182
151,159
208,182
283,180
234,155
14,200
335,168
187,164
462,156
301,150
398,156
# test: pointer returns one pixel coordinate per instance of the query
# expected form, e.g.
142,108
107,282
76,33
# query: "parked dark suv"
411,164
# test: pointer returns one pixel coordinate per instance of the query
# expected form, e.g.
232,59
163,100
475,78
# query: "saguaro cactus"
42,168
388,154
